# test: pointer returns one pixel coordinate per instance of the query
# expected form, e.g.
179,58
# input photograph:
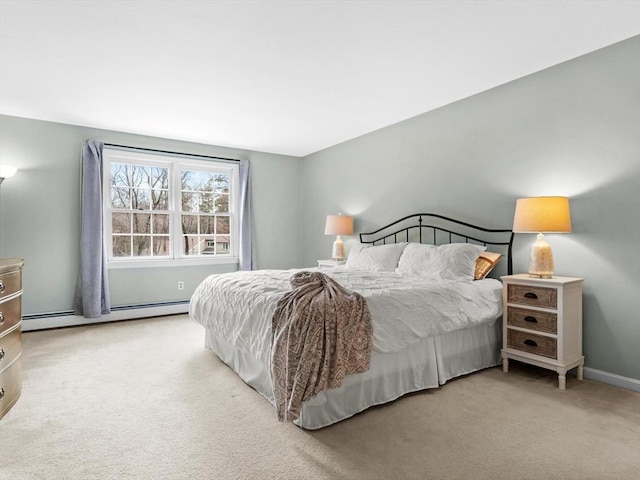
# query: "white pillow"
453,261
379,258
415,259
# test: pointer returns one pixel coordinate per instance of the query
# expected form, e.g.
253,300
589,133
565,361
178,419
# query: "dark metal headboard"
398,231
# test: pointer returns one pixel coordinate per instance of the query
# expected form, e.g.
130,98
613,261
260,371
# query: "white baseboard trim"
66,319
612,379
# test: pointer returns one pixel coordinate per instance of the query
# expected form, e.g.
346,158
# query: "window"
168,209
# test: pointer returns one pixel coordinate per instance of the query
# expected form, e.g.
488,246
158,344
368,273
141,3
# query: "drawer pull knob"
1,318
1,393
1,353
530,319
531,295
531,343
2,287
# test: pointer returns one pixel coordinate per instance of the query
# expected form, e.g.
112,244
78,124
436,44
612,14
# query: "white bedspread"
404,309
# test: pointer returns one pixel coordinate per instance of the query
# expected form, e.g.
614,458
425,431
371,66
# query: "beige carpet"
145,400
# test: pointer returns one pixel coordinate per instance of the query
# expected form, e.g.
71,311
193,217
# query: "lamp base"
539,275
541,259
338,249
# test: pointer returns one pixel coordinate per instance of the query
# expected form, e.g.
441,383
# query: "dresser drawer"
534,296
532,319
10,283
10,314
10,387
10,347
532,343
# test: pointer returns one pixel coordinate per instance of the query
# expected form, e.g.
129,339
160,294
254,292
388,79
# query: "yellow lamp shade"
542,215
538,215
338,225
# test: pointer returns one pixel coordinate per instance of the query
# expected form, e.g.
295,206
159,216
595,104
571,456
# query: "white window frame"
175,163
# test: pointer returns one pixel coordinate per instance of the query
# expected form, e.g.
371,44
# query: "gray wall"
40,214
572,130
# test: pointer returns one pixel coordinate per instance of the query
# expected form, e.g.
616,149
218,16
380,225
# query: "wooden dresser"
543,323
10,332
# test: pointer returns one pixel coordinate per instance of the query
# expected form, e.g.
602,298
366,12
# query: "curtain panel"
247,242
92,289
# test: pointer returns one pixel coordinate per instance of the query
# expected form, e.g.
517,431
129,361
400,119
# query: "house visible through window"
161,208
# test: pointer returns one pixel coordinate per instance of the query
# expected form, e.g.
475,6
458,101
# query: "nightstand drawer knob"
1,353
531,343
530,295
530,319
1,318
1,393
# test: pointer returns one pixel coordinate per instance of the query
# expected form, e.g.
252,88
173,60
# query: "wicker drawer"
10,314
532,343
532,319
10,387
534,296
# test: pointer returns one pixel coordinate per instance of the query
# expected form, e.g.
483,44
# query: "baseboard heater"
43,321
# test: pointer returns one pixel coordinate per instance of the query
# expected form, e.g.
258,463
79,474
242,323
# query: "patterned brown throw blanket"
321,333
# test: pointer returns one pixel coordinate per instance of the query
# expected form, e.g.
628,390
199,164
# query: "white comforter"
404,309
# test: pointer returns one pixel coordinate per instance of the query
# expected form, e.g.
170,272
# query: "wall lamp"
7,171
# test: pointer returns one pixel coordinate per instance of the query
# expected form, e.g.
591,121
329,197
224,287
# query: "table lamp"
338,225
542,215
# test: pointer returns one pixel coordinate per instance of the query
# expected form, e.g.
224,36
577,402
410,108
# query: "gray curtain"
92,290
247,244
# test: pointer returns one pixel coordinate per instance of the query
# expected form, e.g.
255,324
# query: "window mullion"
176,215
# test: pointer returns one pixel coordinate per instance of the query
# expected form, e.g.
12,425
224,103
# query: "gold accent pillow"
485,263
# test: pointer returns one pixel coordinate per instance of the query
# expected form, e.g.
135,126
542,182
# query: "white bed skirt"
426,364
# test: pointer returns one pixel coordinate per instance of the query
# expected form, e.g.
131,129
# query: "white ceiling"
289,77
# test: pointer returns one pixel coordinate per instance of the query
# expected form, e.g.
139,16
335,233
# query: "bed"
431,322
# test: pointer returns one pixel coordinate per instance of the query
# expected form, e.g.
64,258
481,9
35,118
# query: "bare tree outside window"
167,207
140,210
205,204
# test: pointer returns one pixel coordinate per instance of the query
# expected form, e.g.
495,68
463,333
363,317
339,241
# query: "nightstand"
542,323
330,263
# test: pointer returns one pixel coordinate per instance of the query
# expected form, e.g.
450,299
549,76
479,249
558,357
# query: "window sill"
184,262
